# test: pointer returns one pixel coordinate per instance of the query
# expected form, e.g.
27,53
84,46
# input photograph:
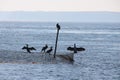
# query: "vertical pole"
58,28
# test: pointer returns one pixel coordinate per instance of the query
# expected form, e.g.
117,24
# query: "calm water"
100,61
97,37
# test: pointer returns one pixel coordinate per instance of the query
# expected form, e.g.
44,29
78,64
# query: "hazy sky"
60,5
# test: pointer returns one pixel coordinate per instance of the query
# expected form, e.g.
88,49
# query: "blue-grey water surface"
100,60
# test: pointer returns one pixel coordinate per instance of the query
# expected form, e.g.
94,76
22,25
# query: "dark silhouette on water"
50,50
75,49
28,48
58,28
44,48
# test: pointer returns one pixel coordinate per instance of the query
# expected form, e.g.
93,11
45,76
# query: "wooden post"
58,28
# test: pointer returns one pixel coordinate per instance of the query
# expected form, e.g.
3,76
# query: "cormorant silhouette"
50,50
78,49
44,48
28,48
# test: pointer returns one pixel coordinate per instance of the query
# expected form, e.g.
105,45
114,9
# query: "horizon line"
59,11
60,21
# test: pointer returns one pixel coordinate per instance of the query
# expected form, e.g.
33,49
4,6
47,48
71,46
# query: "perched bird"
58,26
44,48
50,50
77,49
28,48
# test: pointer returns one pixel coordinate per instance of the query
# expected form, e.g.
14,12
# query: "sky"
60,5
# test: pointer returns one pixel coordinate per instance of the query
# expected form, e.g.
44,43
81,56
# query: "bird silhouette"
28,48
44,48
50,50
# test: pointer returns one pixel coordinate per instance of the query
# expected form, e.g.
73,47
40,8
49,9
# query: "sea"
100,60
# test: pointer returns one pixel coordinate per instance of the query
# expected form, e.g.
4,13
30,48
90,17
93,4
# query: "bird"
28,48
50,50
78,49
44,48
58,26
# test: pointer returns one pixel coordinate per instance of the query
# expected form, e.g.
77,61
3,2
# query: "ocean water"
97,37
100,61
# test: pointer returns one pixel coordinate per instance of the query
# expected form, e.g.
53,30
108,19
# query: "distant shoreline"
59,22
44,16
